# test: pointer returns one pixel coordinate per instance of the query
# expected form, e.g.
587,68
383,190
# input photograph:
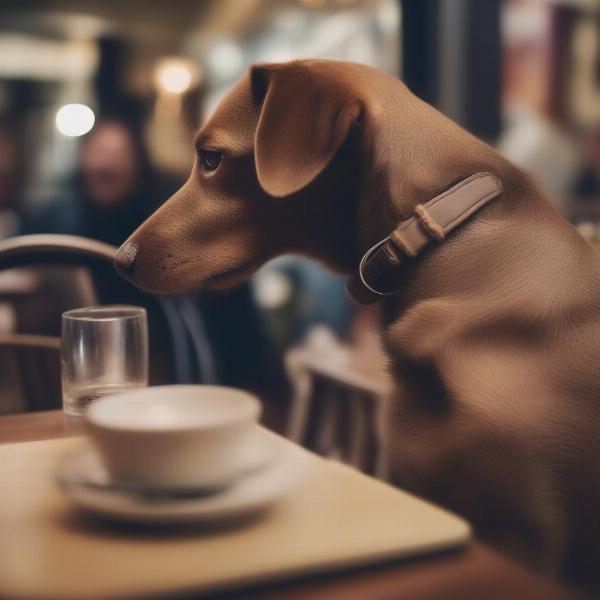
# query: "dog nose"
125,258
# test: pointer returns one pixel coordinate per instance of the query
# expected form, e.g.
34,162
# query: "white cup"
178,436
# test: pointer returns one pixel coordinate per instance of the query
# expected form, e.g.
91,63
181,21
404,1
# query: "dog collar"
430,222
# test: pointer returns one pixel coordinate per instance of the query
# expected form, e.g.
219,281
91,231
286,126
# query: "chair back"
30,366
335,408
179,352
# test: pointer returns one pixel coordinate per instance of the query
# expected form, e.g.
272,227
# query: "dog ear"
304,120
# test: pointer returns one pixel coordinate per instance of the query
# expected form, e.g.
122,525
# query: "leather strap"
431,222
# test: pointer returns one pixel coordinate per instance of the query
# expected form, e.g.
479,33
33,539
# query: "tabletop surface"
476,572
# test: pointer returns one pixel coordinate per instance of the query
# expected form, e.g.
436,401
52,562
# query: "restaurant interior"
99,106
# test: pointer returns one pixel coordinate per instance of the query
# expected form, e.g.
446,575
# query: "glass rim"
95,313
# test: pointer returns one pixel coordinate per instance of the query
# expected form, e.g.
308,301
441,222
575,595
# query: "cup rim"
249,411
94,313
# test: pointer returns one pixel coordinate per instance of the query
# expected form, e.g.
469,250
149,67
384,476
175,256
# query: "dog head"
276,171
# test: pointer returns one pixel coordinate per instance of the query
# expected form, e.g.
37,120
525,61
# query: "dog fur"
494,347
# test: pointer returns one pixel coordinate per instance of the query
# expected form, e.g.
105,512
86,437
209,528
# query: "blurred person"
114,189
546,151
535,138
298,295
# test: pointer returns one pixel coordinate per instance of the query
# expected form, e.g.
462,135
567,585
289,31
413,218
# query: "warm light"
173,76
74,120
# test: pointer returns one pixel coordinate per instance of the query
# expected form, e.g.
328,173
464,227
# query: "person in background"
536,138
114,189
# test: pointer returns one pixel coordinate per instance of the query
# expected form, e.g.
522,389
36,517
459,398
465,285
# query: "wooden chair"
30,373
182,341
335,408
30,363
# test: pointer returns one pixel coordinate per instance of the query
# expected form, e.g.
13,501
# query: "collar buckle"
363,263
431,221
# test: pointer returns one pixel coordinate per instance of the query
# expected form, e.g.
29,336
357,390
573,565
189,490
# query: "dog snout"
125,258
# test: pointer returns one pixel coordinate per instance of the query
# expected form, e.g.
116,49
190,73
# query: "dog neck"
399,181
432,222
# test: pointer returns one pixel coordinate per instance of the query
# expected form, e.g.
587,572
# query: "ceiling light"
174,76
74,120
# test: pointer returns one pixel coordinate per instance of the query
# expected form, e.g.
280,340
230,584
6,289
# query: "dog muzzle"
430,223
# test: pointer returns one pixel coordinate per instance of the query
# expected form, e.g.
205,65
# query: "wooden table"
477,572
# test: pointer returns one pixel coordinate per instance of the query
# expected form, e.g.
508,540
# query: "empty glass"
104,351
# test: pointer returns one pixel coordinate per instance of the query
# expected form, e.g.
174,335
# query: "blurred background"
99,102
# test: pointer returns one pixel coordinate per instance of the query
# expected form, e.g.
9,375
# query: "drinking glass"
104,351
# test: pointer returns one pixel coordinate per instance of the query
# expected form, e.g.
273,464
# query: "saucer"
85,466
274,468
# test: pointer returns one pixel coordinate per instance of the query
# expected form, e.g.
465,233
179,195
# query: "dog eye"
211,159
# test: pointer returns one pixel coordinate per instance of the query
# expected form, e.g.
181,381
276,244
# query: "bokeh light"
74,120
173,76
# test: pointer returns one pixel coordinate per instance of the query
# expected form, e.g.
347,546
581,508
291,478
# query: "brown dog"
495,347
